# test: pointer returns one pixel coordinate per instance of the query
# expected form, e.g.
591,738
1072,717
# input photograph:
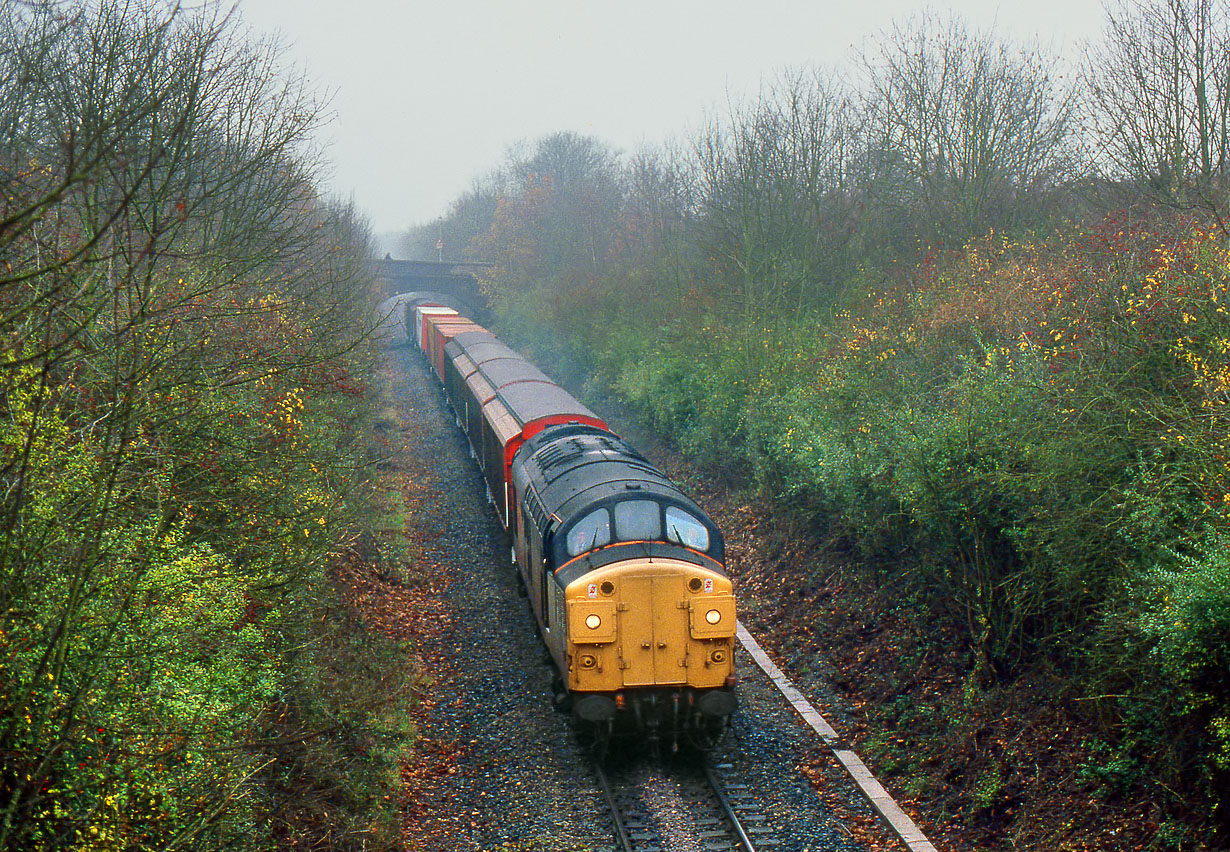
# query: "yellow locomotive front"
641,623
654,639
626,577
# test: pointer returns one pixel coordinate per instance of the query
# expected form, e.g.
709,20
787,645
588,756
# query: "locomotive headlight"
713,616
593,622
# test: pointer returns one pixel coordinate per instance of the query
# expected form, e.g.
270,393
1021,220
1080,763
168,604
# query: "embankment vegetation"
184,351
964,312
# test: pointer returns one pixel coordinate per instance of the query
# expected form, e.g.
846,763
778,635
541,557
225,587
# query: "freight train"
624,573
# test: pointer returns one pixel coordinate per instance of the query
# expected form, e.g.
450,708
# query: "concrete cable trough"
897,819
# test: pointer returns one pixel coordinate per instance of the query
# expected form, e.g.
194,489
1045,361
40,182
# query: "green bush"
694,386
1186,625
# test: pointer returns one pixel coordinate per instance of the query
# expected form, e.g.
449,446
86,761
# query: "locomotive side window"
522,537
546,603
638,520
594,530
533,566
685,529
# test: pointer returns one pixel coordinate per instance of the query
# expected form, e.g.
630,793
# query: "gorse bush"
1165,635
694,385
1185,624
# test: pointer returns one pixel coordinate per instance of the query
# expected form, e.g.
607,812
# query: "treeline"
183,359
965,311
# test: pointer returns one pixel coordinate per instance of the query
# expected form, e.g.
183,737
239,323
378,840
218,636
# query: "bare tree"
555,222
468,217
965,129
773,192
171,288
1159,92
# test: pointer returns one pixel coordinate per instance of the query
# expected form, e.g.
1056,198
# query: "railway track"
683,807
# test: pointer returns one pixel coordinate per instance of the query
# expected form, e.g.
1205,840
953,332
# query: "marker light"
592,622
713,616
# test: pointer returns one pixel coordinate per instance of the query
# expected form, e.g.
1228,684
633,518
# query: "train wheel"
595,738
707,732
560,699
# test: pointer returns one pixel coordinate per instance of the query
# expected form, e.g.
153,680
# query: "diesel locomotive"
624,573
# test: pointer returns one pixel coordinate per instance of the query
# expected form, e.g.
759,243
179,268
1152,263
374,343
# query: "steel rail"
621,830
729,808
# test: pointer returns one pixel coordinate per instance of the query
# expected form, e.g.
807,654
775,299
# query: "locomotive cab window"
594,530
685,529
638,520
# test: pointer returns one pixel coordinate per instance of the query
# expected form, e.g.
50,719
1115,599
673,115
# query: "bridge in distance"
453,284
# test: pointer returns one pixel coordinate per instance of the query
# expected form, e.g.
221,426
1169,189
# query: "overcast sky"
427,96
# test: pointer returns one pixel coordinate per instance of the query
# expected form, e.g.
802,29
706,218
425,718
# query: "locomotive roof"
572,469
